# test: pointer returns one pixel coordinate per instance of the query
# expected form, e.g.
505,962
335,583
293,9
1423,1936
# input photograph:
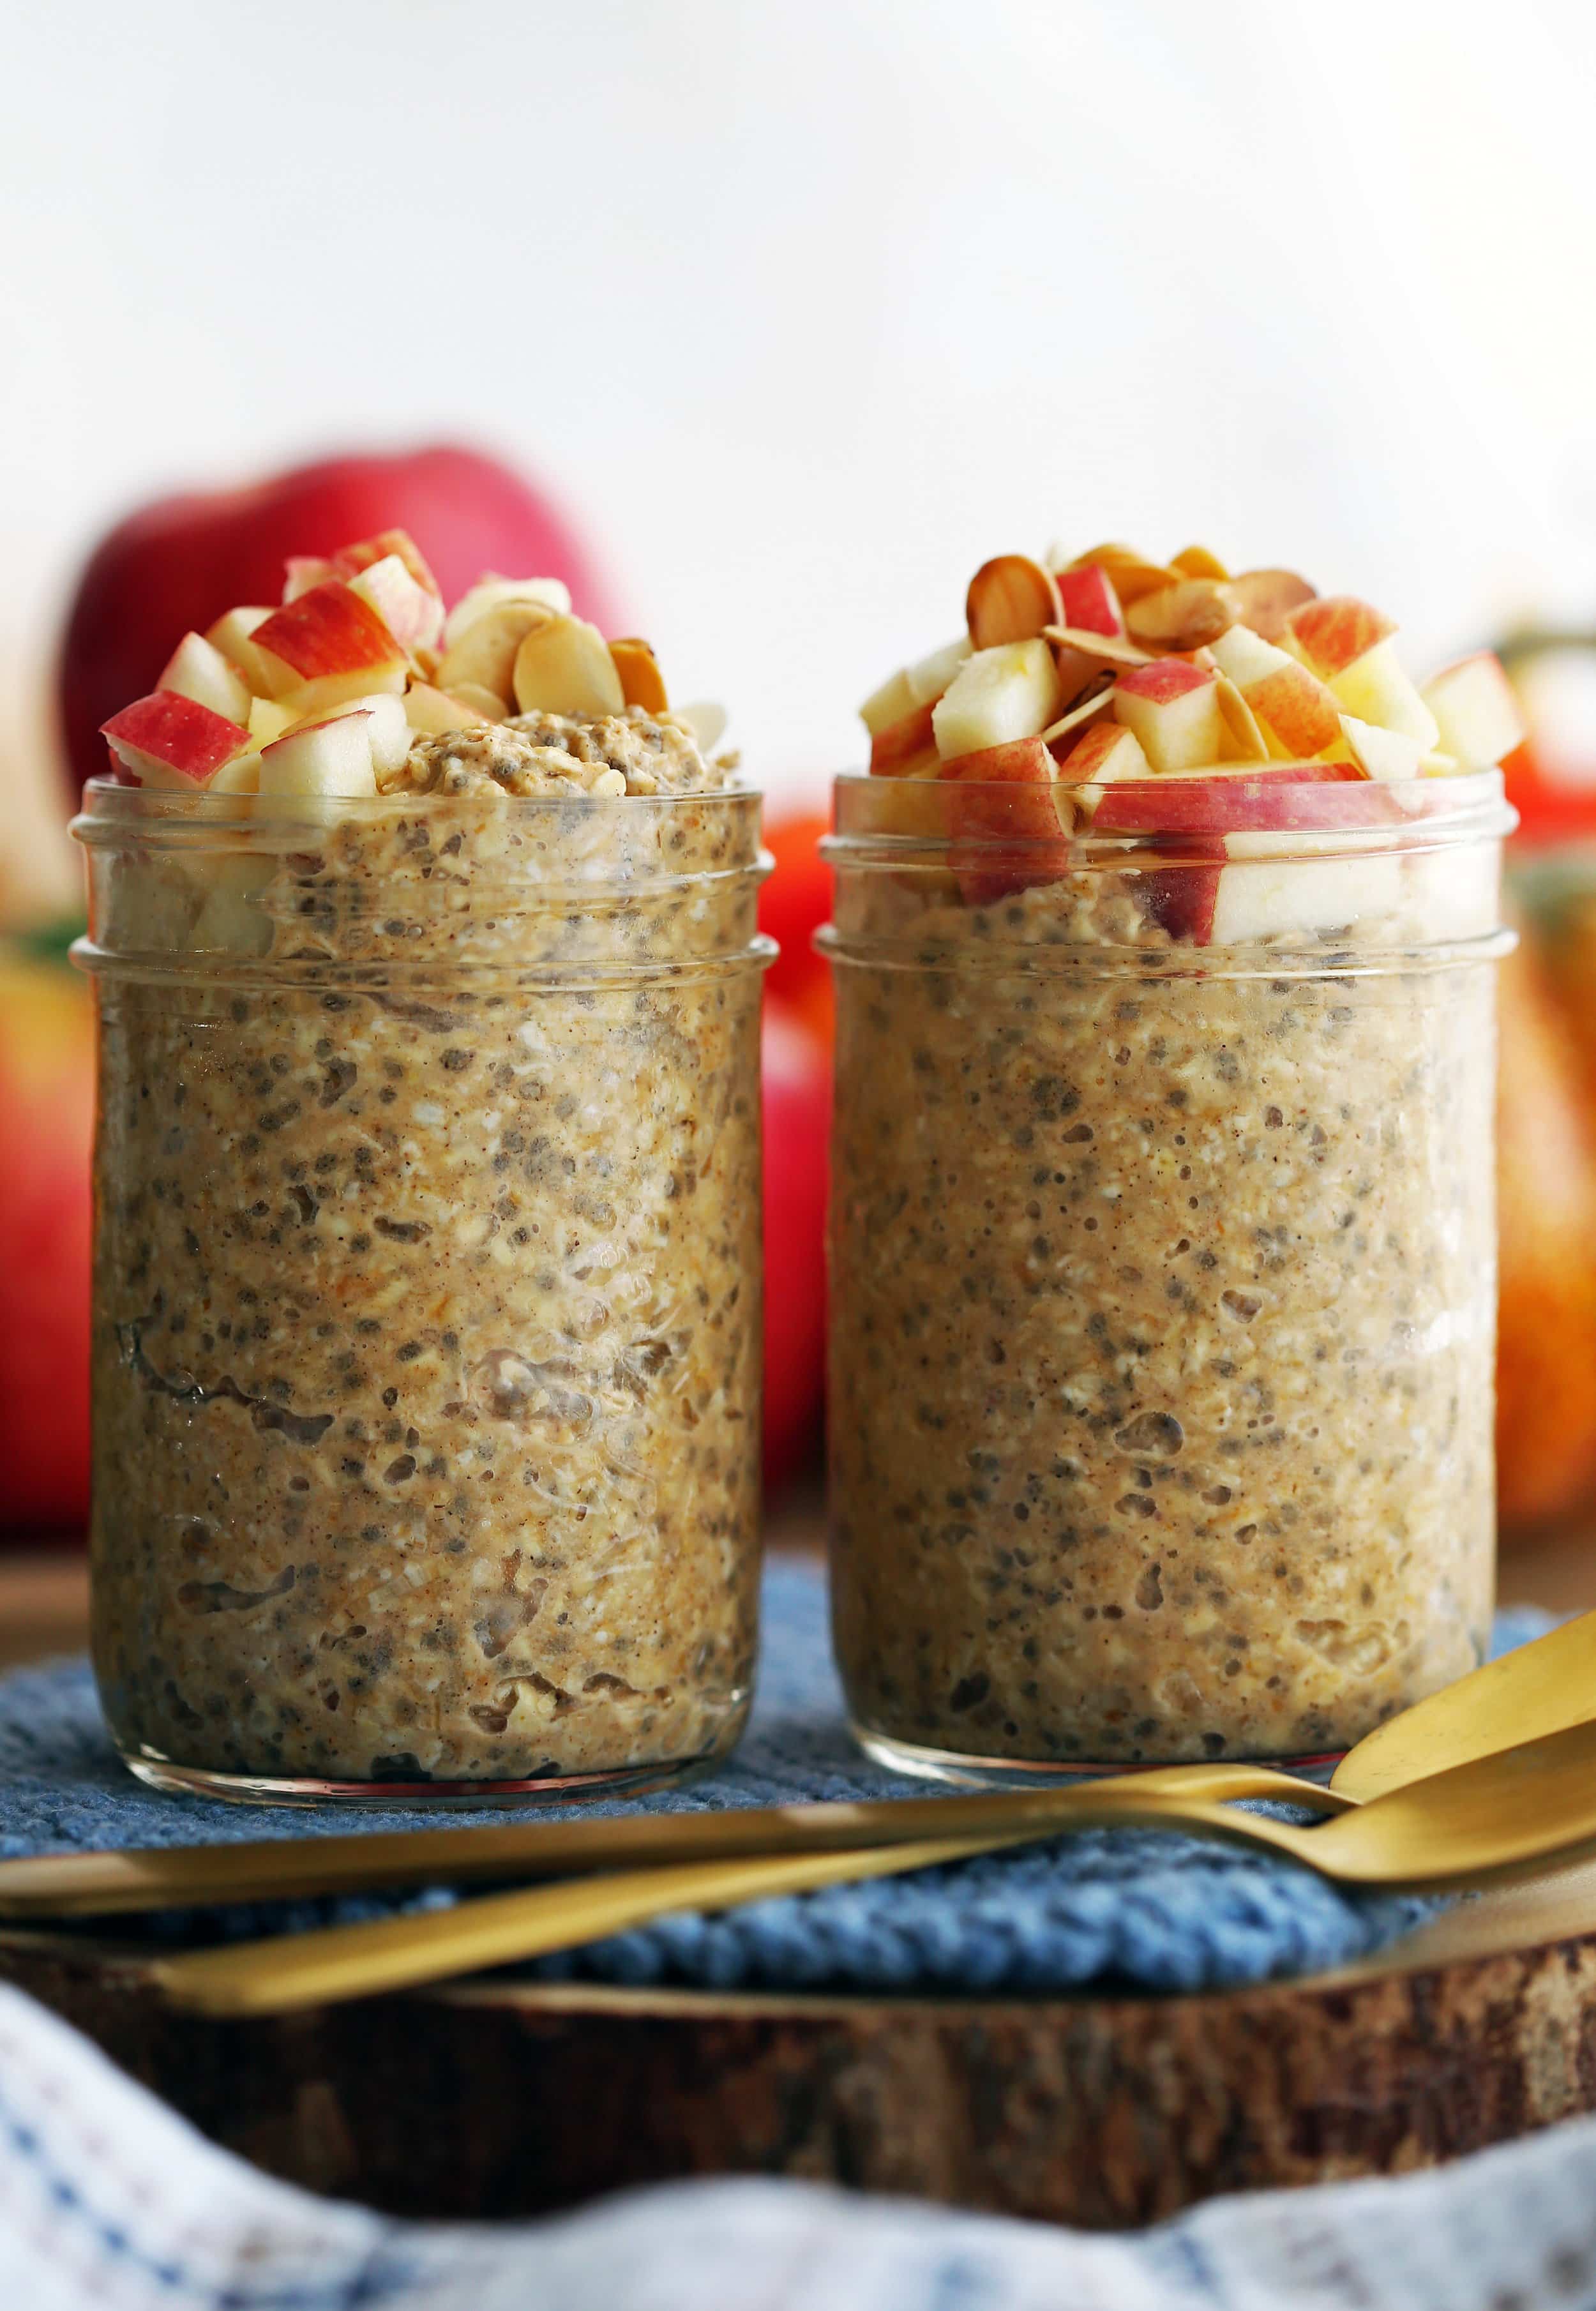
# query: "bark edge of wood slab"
507,2099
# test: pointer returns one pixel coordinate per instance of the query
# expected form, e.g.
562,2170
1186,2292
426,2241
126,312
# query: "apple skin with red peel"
181,562
1091,605
1012,793
905,747
1268,797
1194,815
171,740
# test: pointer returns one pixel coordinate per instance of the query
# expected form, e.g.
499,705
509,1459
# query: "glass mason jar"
427,1321
1162,1263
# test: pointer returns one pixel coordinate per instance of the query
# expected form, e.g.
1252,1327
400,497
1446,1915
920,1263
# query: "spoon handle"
55,1886
291,1971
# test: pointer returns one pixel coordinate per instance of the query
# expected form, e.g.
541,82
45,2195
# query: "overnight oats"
426,1363
1162,1235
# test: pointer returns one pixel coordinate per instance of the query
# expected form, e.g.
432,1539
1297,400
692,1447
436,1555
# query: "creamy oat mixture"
426,1363
1161,1345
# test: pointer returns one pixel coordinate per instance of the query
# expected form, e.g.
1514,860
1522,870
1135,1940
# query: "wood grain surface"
496,2098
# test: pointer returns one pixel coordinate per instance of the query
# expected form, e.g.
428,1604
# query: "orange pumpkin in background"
1546,1360
1546,1366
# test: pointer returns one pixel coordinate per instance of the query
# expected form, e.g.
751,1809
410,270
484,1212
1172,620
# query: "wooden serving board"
505,2099
499,2099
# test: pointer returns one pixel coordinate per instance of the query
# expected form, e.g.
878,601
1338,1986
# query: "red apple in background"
794,902
798,1114
178,563
46,1105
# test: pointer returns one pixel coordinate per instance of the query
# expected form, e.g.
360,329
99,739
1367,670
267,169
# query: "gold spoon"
1535,1689
1462,1827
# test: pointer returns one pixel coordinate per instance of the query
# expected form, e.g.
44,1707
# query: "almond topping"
1103,649
1183,617
1248,742
641,682
564,667
1133,573
1098,701
1011,599
1196,562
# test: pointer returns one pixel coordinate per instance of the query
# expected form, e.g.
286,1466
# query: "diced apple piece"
197,669
232,634
368,551
1298,714
1267,898
231,920
1011,598
412,615
890,703
1089,600
328,646
167,740
240,776
300,571
1332,634
1267,599
998,696
1173,710
1006,795
494,592
269,720
433,713
1380,754
324,758
1476,712
1378,688
1349,645
929,677
1108,751
387,728
706,718
905,749
1246,657
1267,801
563,666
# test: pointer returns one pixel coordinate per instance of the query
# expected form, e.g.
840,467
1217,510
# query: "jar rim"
1099,823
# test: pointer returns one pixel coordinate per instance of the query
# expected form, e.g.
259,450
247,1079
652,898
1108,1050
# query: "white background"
807,308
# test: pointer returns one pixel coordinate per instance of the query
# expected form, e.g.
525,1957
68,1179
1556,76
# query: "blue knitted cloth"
1144,1910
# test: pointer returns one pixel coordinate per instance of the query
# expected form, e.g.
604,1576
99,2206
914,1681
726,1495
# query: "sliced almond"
492,592
1265,599
1085,710
1011,598
1248,742
484,654
486,703
706,719
564,667
434,713
1103,649
641,682
1133,573
1185,616
1196,562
